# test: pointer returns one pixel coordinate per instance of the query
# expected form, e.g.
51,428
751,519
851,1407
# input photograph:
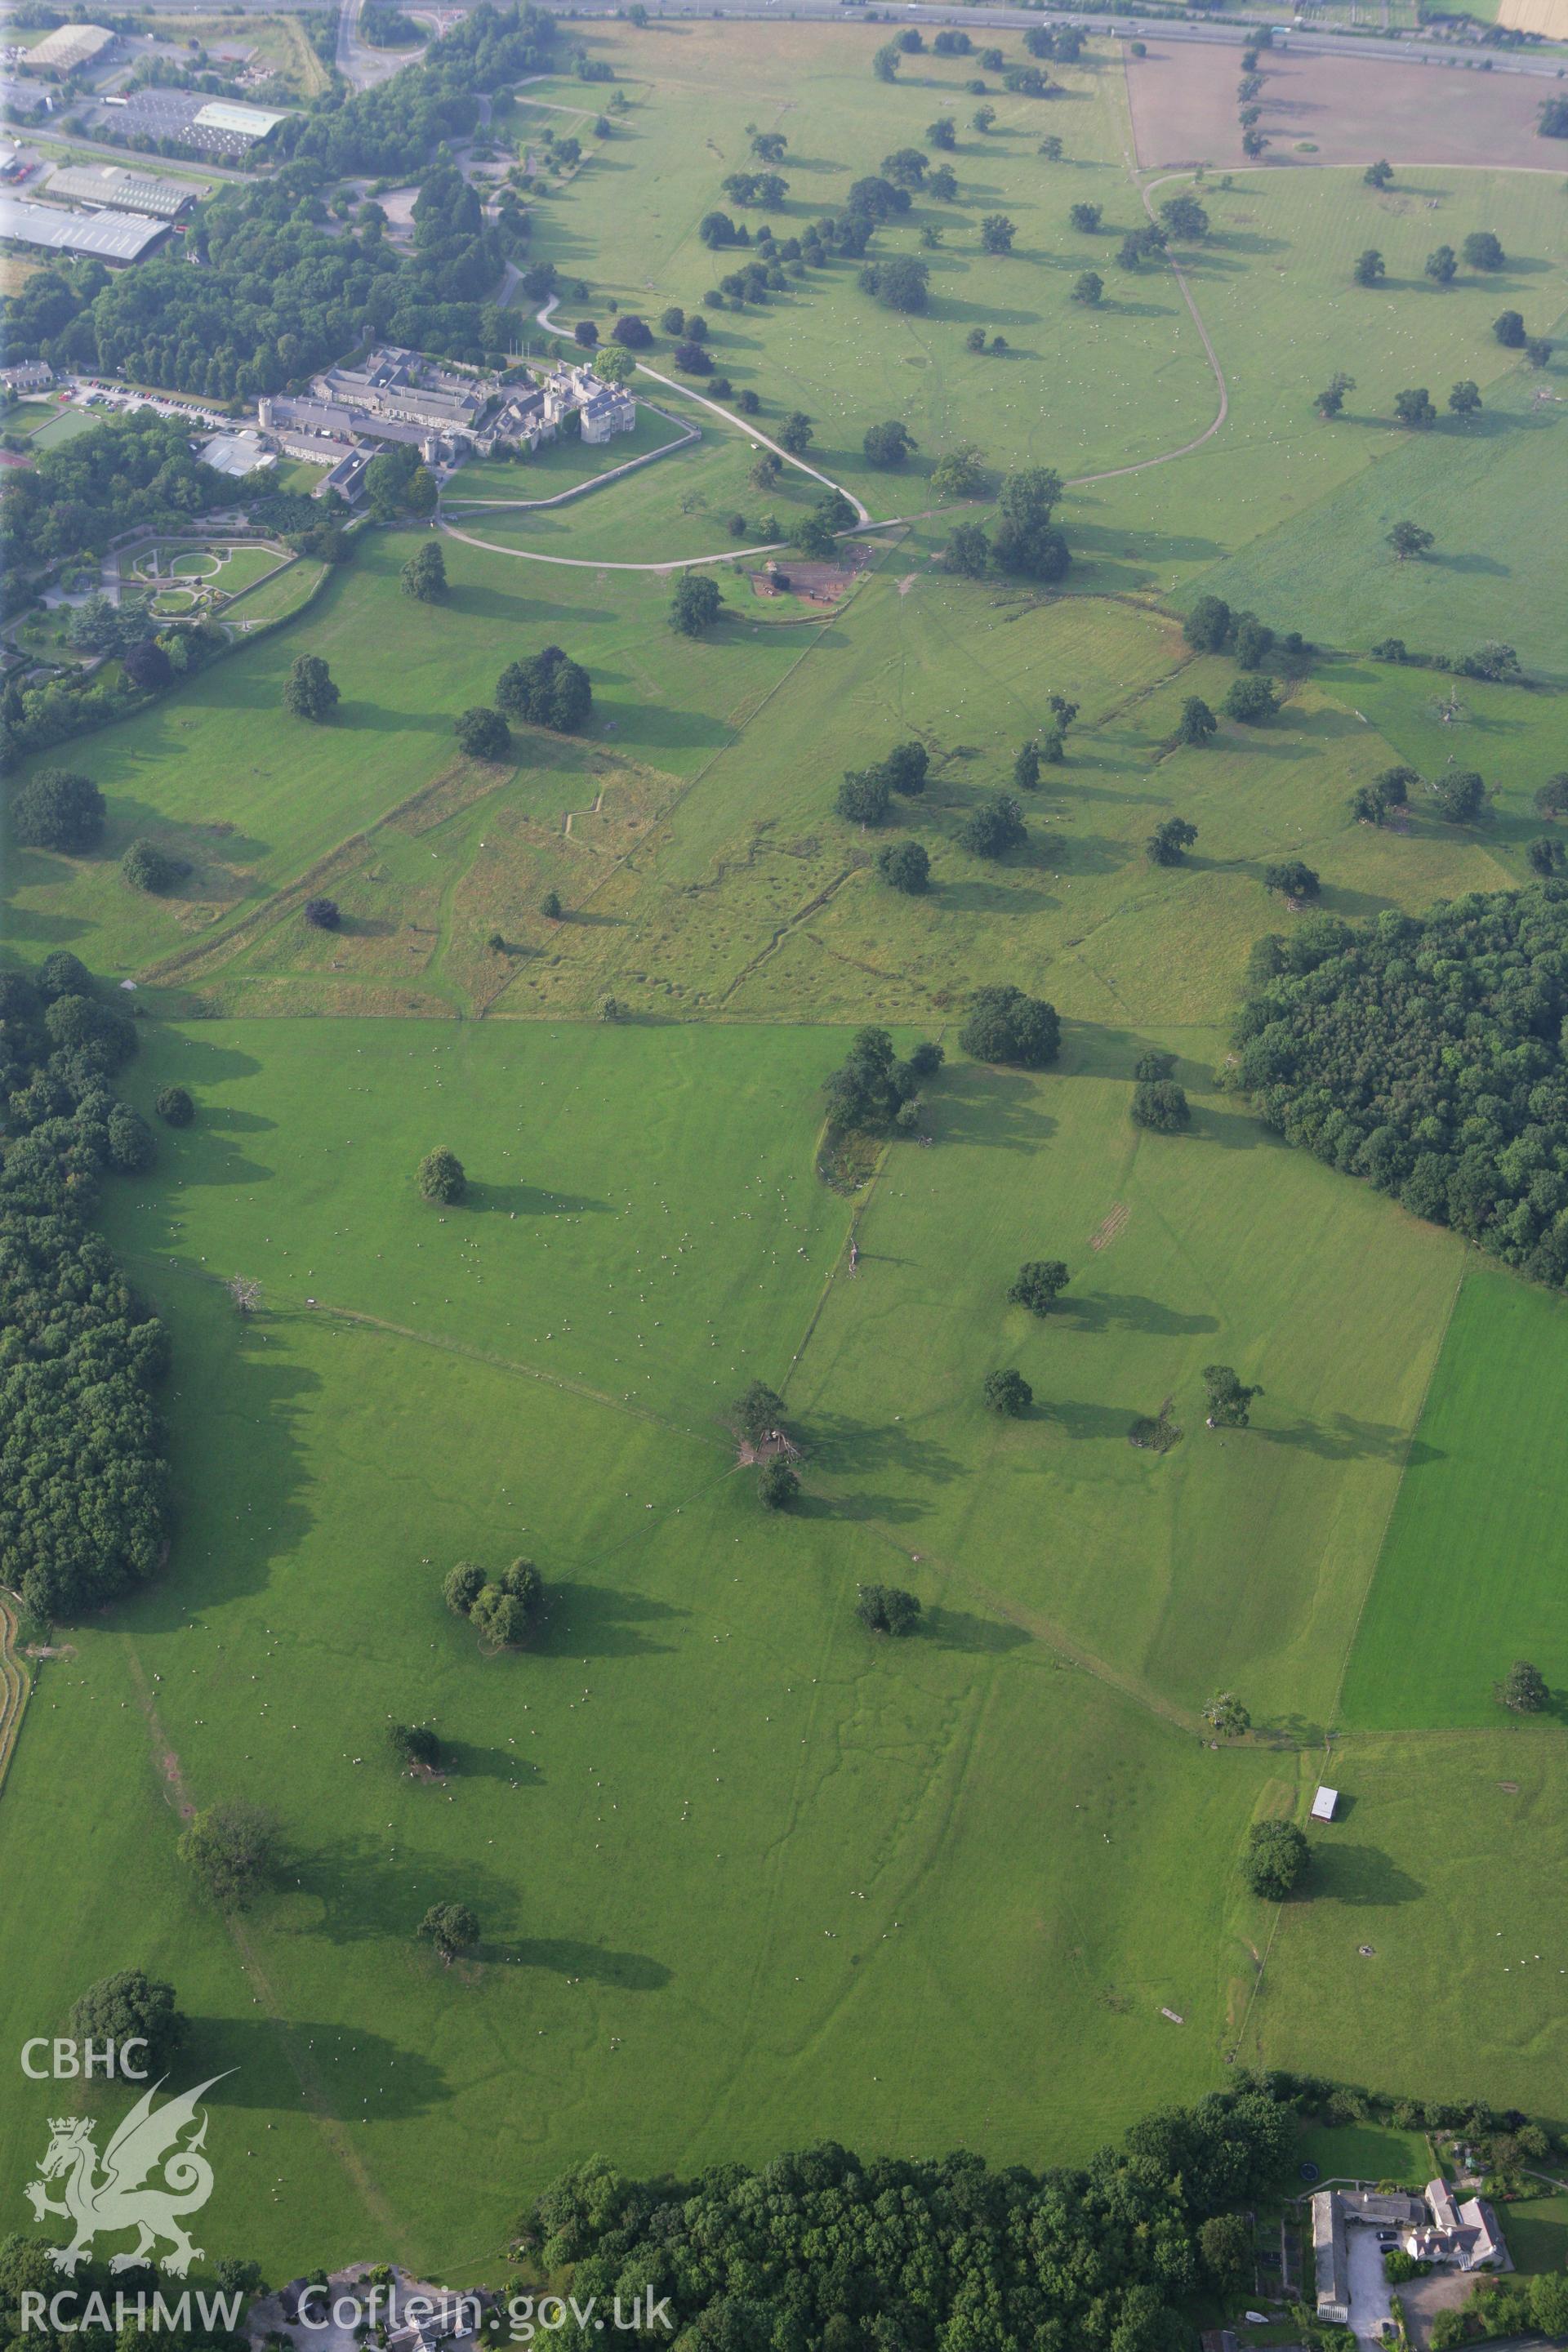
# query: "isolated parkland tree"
887,444
440,1178
697,604
863,797
887,1609
778,1484
414,1746
1004,1025
1228,1714
1007,1393
424,576
1442,265
131,2006
1408,538
1251,699
1169,841
1524,1688
1329,403
905,768
451,1927
1275,1858
1482,250
1038,1283
482,733
1368,268
758,1413
232,1850
308,690
1087,288
1229,1398
905,865
1197,722
1208,626
1161,1106
993,828
1292,878
546,689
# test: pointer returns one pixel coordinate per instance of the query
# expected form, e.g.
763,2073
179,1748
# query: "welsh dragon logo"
125,2193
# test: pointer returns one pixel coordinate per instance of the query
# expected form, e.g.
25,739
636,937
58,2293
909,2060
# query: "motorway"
1231,32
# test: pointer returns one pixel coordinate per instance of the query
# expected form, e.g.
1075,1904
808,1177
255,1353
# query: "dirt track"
1184,110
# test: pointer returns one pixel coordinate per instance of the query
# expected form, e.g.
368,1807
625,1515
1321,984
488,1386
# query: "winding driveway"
864,522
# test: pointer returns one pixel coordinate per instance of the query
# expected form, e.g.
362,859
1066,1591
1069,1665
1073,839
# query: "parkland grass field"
770,1879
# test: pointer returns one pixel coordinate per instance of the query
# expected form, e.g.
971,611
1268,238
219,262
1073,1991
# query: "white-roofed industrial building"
68,48
237,122
110,236
111,185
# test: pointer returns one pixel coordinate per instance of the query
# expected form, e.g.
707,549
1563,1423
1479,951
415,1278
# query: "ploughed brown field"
1353,109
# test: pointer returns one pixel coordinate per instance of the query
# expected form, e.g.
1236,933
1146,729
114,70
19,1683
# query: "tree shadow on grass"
1233,1131
1361,1875
1343,1437
481,601
563,1956
255,2054
530,1200
961,1629
464,1761
848,1448
979,1103
590,1621
980,898
1104,1310
884,1510
1078,1419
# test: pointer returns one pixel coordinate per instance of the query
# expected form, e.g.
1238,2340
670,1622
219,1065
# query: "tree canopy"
309,690
697,604
822,2248
233,1850
546,689
1006,1025
54,808
871,1087
887,1609
82,1475
440,1177
131,2006
1424,1054
1275,1858
1039,1283
127,470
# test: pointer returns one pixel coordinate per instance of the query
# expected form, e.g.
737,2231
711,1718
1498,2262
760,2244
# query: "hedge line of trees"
1425,1054
821,2252
82,1475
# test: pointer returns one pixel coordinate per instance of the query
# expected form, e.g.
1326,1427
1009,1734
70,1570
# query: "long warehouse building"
114,189
112,237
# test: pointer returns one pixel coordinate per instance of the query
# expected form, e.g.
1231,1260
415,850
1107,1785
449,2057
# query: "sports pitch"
767,1879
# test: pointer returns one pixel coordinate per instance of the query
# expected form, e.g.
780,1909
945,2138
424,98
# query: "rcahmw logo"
152,2175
